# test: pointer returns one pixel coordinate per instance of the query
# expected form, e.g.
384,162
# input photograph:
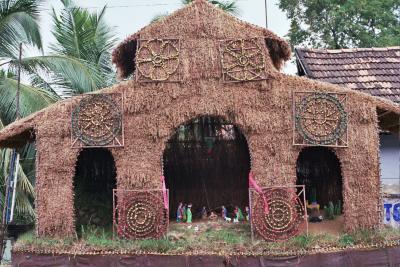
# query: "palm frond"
68,75
228,6
25,190
31,99
85,36
18,23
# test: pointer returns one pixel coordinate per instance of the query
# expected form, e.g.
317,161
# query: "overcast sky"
128,16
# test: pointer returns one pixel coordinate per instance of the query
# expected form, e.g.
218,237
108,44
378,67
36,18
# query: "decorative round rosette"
158,59
97,120
321,119
142,215
243,60
285,217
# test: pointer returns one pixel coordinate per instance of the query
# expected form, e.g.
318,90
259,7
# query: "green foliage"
80,59
18,23
80,62
330,211
338,208
340,24
346,240
96,236
225,235
303,241
25,191
228,6
85,37
157,245
31,99
209,239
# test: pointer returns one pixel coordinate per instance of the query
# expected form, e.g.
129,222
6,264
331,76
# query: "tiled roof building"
375,71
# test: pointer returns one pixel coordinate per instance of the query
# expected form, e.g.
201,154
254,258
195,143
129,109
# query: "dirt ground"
333,227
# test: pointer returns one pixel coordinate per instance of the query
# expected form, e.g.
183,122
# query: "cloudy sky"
128,16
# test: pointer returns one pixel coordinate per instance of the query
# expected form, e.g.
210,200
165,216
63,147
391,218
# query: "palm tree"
79,62
25,190
228,6
61,72
85,37
18,23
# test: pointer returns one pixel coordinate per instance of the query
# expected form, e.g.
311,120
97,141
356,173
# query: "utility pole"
18,115
266,14
11,178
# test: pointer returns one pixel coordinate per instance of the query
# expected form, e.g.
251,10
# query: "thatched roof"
198,21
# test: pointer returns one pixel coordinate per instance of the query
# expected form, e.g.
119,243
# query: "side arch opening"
206,163
94,181
319,169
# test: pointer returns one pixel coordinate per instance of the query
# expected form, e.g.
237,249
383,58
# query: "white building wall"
390,163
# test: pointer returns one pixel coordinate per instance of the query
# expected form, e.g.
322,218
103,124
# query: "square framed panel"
140,214
320,119
278,212
97,121
158,60
243,60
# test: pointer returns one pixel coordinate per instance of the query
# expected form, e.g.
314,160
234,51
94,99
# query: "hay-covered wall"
262,110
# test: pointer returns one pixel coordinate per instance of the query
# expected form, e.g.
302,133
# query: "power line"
117,6
126,6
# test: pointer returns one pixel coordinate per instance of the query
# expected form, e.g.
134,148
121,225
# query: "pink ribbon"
253,184
164,190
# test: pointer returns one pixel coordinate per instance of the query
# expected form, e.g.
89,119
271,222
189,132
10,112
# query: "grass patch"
160,245
207,238
346,240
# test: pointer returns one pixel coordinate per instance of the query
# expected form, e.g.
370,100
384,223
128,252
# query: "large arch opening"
207,163
318,168
94,181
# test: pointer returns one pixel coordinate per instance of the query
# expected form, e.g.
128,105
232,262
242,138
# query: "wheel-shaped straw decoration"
142,215
243,60
321,119
285,217
157,59
97,120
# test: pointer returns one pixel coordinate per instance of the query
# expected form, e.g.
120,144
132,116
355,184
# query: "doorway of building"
94,181
318,168
206,164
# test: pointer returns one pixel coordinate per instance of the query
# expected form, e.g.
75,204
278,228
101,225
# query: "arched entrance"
94,181
207,163
318,168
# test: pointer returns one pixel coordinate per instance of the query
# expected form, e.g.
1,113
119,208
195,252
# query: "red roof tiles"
371,70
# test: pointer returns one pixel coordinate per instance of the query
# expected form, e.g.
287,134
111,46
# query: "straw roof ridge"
124,54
